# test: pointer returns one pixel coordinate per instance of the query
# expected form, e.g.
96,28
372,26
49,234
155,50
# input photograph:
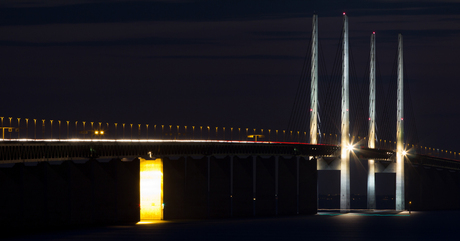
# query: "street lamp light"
27,127
51,121
76,128
19,125
98,133
256,136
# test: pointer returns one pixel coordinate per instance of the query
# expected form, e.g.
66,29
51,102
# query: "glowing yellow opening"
151,189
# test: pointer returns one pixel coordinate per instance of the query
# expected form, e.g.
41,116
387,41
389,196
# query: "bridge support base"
345,181
371,185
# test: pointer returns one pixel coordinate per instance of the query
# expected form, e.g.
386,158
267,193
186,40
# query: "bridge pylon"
345,125
371,141
400,199
314,83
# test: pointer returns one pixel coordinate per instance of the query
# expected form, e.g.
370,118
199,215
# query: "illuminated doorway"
151,189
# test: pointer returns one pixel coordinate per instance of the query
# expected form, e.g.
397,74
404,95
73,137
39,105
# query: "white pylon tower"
345,125
371,141
314,83
400,153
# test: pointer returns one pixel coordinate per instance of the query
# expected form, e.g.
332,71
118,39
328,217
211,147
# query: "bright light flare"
350,147
404,153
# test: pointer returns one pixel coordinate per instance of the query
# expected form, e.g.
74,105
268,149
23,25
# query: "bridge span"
48,150
26,150
45,150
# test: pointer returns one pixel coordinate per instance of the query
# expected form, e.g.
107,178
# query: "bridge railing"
37,129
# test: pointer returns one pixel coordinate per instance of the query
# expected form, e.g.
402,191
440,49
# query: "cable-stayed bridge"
328,127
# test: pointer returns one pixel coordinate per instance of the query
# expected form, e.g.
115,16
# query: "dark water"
357,201
436,225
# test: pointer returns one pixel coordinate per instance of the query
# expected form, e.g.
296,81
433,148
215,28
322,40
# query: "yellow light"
96,132
404,153
151,189
102,132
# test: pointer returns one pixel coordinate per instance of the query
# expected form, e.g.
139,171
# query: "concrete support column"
276,183
231,186
254,172
298,184
371,185
209,186
185,179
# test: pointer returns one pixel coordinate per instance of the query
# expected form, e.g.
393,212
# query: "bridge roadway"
14,151
27,150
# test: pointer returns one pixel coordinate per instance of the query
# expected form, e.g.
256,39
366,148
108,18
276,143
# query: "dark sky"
218,63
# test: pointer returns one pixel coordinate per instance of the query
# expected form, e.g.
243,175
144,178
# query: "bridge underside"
12,152
70,193
234,186
201,179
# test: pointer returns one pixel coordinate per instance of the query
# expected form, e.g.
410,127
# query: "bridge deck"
14,151
31,151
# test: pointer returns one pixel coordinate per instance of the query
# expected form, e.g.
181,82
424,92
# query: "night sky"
219,63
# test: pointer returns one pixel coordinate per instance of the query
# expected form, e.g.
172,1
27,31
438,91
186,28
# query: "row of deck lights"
100,131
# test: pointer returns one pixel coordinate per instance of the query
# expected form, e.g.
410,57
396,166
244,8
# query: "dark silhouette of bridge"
330,143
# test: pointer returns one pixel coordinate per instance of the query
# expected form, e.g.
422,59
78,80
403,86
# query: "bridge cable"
412,130
380,99
356,100
298,109
389,112
332,97
301,101
323,73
